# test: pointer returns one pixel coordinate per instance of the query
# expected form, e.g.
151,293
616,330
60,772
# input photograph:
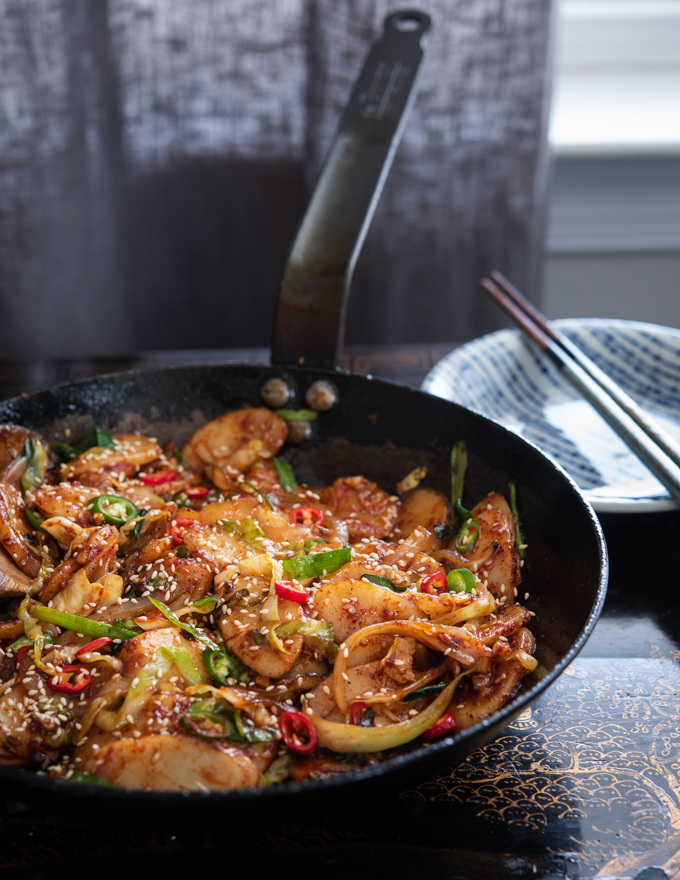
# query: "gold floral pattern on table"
597,760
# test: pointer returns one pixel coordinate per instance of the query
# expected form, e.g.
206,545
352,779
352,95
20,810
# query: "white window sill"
616,112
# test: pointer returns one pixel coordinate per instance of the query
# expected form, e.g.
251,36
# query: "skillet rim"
28,778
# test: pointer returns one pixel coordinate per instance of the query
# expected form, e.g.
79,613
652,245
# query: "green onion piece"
461,580
64,450
36,464
277,771
88,779
261,494
297,415
315,564
83,625
383,582
178,455
428,691
249,732
286,475
200,637
94,437
307,546
182,660
515,513
35,519
443,531
24,641
222,665
209,600
181,552
467,536
459,462
115,509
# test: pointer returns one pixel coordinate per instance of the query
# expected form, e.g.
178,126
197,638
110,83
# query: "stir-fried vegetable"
317,564
222,665
83,625
94,437
201,637
285,474
36,465
115,510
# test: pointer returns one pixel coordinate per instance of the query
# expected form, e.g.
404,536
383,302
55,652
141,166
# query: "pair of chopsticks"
646,438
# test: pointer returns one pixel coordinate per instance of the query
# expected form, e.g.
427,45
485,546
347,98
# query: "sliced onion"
353,738
424,679
526,660
436,636
481,607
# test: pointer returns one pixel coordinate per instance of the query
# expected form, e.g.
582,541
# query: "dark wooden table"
585,784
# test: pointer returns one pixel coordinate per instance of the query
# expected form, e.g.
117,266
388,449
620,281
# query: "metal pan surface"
381,430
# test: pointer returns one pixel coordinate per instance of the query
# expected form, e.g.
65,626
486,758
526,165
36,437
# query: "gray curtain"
156,156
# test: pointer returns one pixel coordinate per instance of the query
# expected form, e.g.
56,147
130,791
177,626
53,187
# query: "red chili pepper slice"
158,477
356,711
434,584
287,590
196,491
61,681
291,724
446,724
92,646
306,516
177,527
20,653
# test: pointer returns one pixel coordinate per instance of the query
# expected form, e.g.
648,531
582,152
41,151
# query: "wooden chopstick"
639,436
651,427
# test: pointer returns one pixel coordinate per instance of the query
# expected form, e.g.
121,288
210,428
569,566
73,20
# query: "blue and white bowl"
505,377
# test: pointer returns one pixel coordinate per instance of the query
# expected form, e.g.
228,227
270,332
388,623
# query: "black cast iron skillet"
378,429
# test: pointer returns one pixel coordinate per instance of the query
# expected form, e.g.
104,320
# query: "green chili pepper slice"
461,580
222,665
81,624
383,582
115,510
315,564
467,536
286,475
443,531
207,725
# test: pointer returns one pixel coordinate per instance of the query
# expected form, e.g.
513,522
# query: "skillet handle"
312,305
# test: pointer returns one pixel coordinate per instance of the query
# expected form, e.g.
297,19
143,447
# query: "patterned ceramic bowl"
505,377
